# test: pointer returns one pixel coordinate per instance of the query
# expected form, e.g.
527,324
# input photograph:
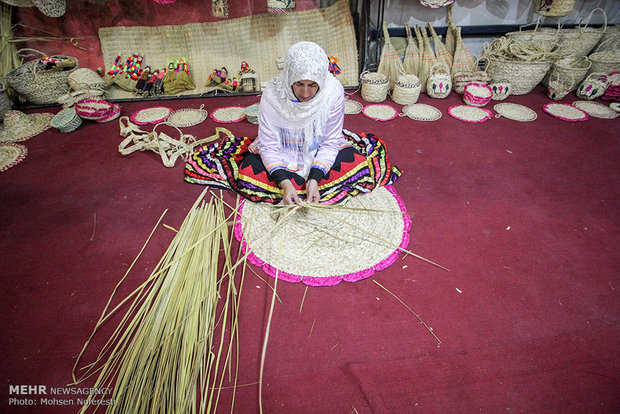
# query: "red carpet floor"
525,215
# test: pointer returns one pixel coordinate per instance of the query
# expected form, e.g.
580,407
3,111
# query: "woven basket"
523,76
439,82
85,79
40,86
544,38
374,86
571,69
580,41
462,79
557,8
67,120
5,102
477,94
406,89
501,89
593,86
606,57
251,113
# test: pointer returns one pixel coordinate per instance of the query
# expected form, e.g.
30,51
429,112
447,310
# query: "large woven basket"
374,86
557,8
571,70
461,79
40,86
606,57
523,76
580,40
85,79
546,39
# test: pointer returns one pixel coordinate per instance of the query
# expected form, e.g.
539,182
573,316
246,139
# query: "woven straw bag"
558,88
374,86
439,82
406,90
5,102
593,86
606,57
523,76
546,39
580,41
570,68
554,8
40,86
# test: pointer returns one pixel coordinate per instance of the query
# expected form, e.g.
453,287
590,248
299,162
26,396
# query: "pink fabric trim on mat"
585,116
330,280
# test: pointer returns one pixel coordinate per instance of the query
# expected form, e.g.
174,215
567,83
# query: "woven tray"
11,154
471,114
152,115
422,112
228,114
187,117
352,107
93,109
596,109
565,112
515,112
380,112
251,113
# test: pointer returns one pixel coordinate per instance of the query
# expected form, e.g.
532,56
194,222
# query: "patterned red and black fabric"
359,168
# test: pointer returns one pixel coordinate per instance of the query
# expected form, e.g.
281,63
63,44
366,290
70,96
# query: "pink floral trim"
486,118
228,122
152,121
379,119
585,117
330,280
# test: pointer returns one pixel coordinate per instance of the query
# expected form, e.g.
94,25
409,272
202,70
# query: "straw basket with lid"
374,86
406,89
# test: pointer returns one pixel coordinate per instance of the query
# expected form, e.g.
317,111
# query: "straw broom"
451,32
163,356
389,63
428,58
441,52
411,61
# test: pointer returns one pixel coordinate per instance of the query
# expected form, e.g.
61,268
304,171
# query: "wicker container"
593,86
501,89
5,102
571,70
439,82
85,79
67,120
462,79
40,86
557,8
546,39
406,89
251,113
523,76
93,109
477,94
374,86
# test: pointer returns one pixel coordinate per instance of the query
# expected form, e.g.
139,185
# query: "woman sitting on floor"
302,151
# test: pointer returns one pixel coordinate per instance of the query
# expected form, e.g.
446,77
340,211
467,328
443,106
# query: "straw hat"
19,126
51,8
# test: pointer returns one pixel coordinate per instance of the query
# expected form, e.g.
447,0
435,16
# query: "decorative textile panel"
257,39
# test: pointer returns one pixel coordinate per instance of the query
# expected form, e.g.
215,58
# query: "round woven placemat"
187,117
11,154
323,247
515,112
352,107
565,112
422,112
596,109
468,113
380,112
153,115
228,114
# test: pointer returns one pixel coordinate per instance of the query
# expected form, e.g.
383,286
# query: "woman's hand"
290,194
312,188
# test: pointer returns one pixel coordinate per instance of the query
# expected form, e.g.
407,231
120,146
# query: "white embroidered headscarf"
303,61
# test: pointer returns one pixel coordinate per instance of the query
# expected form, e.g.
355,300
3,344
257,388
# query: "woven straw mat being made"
257,39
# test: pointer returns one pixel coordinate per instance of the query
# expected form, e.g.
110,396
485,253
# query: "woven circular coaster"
596,109
380,112
471,114
11,154
187,117
422,112
153,115
322,247
352,107
515,112
228,114
565,112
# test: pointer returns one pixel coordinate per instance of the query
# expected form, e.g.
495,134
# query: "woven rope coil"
374,86
67,120
406,90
